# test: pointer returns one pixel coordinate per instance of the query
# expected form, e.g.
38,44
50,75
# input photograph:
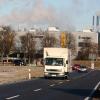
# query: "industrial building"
82,37
92,34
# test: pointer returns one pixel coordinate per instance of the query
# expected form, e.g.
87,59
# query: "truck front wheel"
66,75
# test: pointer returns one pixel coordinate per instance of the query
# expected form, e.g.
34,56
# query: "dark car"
18,62
75,66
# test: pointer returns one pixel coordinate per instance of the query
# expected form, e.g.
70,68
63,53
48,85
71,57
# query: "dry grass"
18,73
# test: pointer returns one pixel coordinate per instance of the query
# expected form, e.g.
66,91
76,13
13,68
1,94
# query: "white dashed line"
67,80
16,96
38,89
95,88
60,82
52,85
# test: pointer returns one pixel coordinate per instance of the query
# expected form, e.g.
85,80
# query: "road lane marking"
95,88
60,82
52,85
9,98
38,89
83,75
67,80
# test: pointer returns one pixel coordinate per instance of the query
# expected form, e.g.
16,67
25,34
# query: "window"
83,44
54,61
84,38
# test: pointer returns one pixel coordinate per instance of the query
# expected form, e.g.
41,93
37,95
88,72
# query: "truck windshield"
54,61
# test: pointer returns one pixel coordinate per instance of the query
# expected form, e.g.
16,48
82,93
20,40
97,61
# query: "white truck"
56,62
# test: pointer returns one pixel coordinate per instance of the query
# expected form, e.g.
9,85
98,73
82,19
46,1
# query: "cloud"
28,12
1,1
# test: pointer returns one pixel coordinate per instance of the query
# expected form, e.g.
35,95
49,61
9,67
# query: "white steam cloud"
29,12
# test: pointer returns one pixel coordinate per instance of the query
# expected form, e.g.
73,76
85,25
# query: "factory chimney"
97,23
93,26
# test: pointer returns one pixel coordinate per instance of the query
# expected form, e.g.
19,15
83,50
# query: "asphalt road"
96,95
79,87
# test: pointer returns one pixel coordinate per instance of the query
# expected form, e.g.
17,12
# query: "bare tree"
7,36
71,42
94,50
68,41
49,40
87,48
28,46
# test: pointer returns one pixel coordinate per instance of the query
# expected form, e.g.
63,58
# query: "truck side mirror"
64,65
66,61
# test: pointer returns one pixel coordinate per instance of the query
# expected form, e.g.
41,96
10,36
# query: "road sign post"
29,73
92,65
92,57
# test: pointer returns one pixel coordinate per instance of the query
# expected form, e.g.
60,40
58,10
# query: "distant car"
18,62
75,66
82,68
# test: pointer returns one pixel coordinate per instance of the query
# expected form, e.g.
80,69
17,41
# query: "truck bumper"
54,74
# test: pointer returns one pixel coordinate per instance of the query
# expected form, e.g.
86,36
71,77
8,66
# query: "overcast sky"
65,14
